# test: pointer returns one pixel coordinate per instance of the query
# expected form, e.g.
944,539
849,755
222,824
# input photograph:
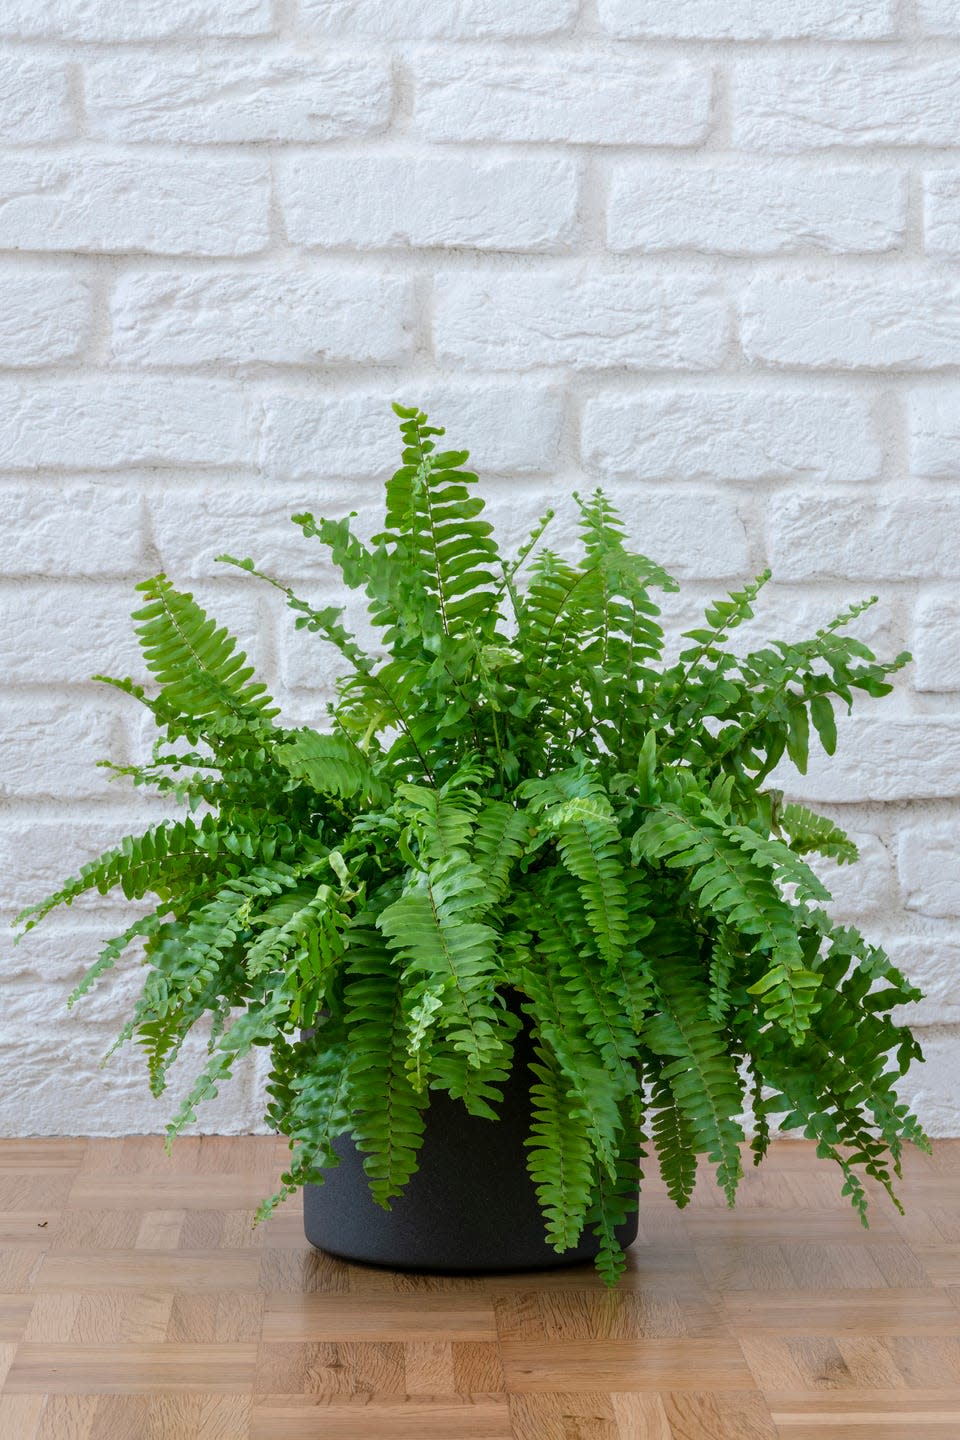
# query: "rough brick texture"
484,202
858,321
699,253
938,17
579,98
108,204
440,20
732,434
751,19
280,95
581,318
759,208
45,316
941,212
816,100
296,318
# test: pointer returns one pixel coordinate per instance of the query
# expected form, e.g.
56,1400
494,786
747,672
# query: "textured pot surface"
470,1206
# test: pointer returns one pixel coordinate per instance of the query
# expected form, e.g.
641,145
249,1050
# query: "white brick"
902,321
934,965
440,20
42,522
270,95
580,317
783,612
576,97
254,522
52,743
52,634
729,434
45,316
751,19
806,102
498,202
39,851
936,642
63,947
883,758
929,873
109,423
931,1089
754,208
299,317
934,433
861,888
512,428
941,212
308,664
190,205
115,1100
96,20
867,540
939,17
690,533
34,102
65,634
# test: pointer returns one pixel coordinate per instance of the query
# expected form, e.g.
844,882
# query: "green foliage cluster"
518,813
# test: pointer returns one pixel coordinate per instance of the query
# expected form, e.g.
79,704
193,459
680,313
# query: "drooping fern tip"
522,812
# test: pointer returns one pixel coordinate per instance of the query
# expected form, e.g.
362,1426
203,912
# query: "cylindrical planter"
471,1206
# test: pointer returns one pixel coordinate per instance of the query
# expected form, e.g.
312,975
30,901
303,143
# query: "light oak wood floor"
136,1303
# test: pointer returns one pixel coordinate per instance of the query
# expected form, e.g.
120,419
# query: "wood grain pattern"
137,1302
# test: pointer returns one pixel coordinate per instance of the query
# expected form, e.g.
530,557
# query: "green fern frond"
434,932
499,834
195,661
698,1067
615,1200
316,1111
576,810
331,765
387,1112
559,1155
809,833
676,1143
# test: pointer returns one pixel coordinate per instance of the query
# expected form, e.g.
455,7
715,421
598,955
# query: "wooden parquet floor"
137,1303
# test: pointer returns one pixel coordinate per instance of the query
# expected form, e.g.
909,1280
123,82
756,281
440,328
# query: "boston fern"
517,815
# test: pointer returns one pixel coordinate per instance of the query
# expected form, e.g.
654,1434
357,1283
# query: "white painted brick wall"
369,201
750,19
581,317
941,212
818,100
757,207
703,253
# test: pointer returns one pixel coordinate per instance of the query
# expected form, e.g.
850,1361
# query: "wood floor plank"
168,1190
38,1155
842,1312
138,1302
150,1270
718,1415
130,1369
111,1318
570,1365
640,1416
381,1317
23,1227
379,1418
14,1314
550,1416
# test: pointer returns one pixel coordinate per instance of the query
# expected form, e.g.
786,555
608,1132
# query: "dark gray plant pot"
471,1206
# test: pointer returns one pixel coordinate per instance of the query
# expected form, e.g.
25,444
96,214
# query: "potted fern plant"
523,911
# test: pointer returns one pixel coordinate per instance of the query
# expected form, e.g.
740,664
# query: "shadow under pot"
471,1205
